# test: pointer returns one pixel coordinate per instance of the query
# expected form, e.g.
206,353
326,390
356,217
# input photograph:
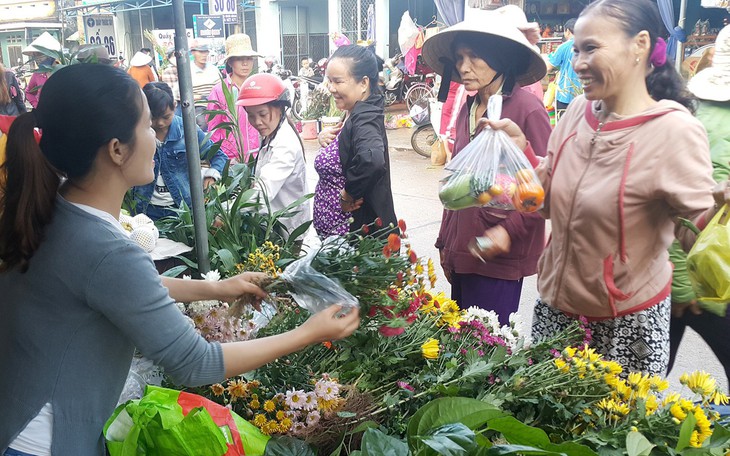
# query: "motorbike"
303,85
424,135
399,86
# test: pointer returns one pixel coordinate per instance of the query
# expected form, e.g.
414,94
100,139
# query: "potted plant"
318,104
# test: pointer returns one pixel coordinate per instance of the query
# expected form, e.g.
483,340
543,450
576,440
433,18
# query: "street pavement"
415,184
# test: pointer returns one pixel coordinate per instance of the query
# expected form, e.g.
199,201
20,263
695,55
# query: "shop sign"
99,29
206,26
226,8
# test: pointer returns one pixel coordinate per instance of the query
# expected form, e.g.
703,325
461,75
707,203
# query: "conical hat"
46,40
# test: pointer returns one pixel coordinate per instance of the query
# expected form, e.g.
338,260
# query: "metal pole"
192,147
680,46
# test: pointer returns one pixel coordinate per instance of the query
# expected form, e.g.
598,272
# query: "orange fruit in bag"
528,197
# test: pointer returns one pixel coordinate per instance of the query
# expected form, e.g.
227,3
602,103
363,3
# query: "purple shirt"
329,219
527,231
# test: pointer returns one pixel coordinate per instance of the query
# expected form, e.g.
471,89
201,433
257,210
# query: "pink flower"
405,386
389,331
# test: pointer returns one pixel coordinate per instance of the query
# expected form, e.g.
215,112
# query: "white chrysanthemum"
310,401
313,418
201,307
212,276
295,399
489,318
326,390
181,306
187,277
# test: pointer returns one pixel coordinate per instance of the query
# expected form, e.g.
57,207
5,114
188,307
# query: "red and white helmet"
262,88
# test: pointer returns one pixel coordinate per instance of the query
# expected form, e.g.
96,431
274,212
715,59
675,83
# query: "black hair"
363,62
82,108
147,50
506,59
159,97
635,16
570,24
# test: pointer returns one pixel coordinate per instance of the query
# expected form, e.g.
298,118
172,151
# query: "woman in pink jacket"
625,162
239,64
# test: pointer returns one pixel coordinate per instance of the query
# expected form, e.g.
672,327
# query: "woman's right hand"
327,135
508,126
330,324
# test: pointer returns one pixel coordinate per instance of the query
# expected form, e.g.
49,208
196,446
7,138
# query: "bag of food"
491,172
708,264
170,422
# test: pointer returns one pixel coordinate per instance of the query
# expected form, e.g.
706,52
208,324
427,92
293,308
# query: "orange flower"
412,257
386,251
394,242
402,225
327,345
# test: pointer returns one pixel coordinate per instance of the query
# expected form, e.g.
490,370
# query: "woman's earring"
637,60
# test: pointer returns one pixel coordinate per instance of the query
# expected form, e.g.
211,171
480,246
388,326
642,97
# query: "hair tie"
659,55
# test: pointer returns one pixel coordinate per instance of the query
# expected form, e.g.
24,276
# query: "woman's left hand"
348,203
721,193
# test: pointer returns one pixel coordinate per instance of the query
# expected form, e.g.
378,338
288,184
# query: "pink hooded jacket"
614,192
249,133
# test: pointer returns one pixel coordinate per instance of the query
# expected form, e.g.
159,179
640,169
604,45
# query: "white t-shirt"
161,195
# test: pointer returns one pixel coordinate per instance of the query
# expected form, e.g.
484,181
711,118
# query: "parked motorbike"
303,85
424,134
399,86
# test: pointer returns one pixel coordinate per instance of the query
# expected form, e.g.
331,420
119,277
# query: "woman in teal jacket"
712,87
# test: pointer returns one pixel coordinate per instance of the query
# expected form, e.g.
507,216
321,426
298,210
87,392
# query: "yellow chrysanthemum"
694,441
703,426
612,367
589,354
327,406
657,383
719,398
700,382
561,365
217,389
269,406
237,389
569,352
430,349
671,398
259,420
285,425
280,415
419,268
652,404
254,404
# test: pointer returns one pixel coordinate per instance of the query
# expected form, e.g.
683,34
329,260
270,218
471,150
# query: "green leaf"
451,440
518,433
346,414
503,450
287,446
227,258
637,444
685,432
445,411
377,443
364,427
174,272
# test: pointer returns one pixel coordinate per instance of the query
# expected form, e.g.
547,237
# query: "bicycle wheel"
417,92
296,109
422,139
390,98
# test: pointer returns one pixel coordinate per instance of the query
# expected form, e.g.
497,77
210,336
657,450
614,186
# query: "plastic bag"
491,172
171,422
708,264
314,291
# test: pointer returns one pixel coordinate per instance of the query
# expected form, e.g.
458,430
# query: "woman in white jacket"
280,167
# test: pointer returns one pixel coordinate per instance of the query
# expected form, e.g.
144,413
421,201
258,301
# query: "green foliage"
318,104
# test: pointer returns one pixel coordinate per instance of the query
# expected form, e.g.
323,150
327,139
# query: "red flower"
392,294
386,251
388,331
379,222
373,311
365,229
393,242
412,257
412,318
402,225
399,277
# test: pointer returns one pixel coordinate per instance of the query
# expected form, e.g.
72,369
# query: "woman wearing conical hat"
491,56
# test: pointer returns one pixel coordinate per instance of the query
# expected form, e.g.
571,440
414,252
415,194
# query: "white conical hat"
713,83
46,40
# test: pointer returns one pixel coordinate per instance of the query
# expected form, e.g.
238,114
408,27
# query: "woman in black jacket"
11,97
363,147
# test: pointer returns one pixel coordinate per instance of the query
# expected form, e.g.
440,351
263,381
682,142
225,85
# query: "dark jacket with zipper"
366,164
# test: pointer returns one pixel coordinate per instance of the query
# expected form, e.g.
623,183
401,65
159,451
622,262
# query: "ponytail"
28,195
5,97
664,83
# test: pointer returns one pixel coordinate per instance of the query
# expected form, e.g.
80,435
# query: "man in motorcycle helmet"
280,167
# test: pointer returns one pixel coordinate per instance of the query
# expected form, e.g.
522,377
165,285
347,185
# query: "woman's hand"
501,243
327,135
333,323
721,193
232,289
509,127
679,308
207,182
348,203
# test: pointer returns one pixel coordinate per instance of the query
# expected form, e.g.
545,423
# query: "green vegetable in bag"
456,192
708,264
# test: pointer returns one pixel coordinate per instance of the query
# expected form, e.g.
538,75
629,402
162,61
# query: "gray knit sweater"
69,325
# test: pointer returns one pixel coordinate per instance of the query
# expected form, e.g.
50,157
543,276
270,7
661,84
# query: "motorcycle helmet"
263,88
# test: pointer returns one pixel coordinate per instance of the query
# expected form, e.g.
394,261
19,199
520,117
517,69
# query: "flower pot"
309,129
329,121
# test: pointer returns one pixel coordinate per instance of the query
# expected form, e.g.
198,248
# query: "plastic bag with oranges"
491,172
